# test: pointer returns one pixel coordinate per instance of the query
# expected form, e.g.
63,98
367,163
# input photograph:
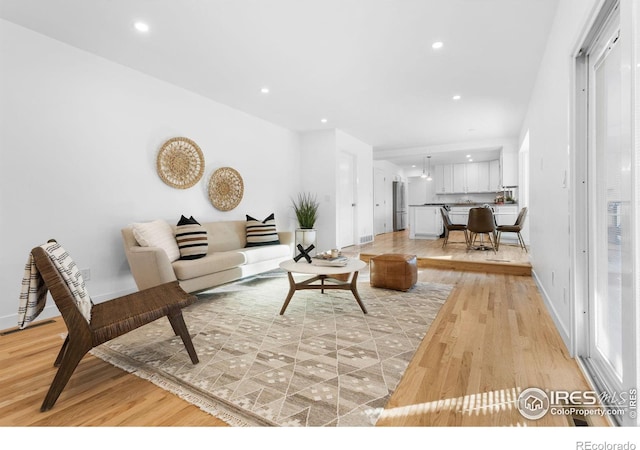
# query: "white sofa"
227,258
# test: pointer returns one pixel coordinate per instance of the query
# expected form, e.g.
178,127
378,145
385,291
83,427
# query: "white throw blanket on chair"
33,295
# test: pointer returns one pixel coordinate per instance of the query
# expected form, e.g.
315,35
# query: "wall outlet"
86,274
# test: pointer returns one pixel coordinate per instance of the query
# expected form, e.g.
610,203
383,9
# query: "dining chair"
515,228
448,227
481,222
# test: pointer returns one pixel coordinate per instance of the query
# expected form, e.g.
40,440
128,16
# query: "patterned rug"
323,363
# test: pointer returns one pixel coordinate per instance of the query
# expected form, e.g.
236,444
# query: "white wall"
319,164
548,122
318,172
78,141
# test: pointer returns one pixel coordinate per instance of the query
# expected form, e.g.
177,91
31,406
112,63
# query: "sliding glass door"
609,355
607,203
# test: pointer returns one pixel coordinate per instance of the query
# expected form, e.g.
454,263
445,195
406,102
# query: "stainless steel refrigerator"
399,206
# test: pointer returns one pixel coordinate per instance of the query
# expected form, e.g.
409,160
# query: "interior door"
346,199
379,202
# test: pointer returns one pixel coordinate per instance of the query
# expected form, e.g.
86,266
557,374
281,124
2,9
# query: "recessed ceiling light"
413,165
323,120
470,160
264,90
456,97
437,45
468,156
141,27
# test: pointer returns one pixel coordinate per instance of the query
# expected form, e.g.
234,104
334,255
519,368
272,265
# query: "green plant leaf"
306,208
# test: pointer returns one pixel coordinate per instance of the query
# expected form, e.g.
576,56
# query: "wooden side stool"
393,271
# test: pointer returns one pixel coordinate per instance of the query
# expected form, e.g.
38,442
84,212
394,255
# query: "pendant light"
429,173
424,164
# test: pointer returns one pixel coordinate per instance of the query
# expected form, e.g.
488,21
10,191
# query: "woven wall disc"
180,163
226,188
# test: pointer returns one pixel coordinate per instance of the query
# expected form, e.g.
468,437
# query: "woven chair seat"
121,315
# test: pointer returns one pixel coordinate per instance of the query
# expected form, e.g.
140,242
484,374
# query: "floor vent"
15,330
365,239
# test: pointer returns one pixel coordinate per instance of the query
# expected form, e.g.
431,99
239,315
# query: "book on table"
338,261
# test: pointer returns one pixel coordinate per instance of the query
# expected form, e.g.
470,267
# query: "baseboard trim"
560,326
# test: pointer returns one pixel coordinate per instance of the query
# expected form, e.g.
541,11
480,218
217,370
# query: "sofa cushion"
265,253
157,234
261,233
215,262
191,238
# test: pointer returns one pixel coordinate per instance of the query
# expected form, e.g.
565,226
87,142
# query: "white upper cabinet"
510,169
459,178
444,179
471,177
495,180
477,177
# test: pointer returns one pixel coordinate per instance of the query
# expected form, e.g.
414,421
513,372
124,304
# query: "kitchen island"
425,221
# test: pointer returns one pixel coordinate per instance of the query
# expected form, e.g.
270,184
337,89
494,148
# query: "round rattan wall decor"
180,163
226,188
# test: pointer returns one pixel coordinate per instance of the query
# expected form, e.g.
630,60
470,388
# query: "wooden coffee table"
323,273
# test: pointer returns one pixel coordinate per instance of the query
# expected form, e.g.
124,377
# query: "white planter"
306,237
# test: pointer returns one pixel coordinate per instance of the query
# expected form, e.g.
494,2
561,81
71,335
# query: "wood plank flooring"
509,259
492,337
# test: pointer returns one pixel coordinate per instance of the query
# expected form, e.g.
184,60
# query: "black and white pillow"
191,238
261,233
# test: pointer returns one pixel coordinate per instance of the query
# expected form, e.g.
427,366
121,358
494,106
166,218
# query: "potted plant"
306,209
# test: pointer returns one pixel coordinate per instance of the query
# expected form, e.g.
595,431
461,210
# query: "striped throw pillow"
261,233
191,238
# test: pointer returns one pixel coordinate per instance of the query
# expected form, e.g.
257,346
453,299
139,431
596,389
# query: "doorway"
379,202
346,199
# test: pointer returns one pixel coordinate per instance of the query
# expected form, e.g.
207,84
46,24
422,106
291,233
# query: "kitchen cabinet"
495,178
462,178
509,168
425,222
477,175
444,178
471,177
459,178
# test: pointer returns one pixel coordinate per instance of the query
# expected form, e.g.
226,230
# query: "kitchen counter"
425,221
469,205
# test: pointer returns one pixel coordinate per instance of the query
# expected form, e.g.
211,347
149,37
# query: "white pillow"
157,234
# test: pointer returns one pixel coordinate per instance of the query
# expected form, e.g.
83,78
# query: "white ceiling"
365,65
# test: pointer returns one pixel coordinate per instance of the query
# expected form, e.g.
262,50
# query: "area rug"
322,363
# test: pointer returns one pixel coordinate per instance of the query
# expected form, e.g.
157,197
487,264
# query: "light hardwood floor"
492,337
